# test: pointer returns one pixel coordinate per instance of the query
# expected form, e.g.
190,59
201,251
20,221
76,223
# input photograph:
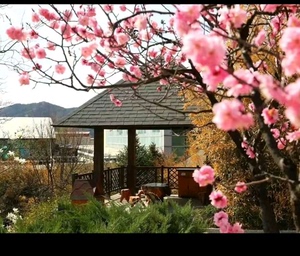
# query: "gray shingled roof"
134,112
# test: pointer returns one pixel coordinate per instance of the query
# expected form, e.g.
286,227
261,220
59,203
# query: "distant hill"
41,109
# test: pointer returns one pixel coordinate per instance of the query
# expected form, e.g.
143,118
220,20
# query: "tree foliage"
145,156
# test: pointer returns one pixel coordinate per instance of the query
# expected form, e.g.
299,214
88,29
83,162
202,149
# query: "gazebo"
143,107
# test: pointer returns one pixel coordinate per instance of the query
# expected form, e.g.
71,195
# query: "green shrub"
94,217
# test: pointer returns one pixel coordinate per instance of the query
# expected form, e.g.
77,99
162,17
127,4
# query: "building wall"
165,140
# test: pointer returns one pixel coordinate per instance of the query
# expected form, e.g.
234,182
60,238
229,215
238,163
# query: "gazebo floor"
195,202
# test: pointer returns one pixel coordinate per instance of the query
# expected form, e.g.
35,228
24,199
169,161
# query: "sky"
10,90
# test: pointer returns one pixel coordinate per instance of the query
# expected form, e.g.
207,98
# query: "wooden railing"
115,179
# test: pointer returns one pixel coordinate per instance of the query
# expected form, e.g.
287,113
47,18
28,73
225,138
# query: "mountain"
40,109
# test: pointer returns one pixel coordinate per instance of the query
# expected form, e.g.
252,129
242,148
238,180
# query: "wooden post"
121,177
99,161
74,177
131,168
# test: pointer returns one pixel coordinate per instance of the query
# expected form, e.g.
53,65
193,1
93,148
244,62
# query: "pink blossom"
66,31
293,114
290,44
270,88
28,53
204,176
130,78
292,102
51,46
40,53
54,24
24,78
68,15
275,24
123,8
181,28
184,17
240,83
260,38
230,115
235,228
33,34
100,58
293,21
240,187
220,218
275,132
91,12
204,50
225,228
152,53
281,143
118,103
101,72
87,51
250,152
163,81
60,69
136,71
90,79
37,66
218,200
35,17
141,22
244,144
213,77
83,20
293,136
251,106
120,62
249,149
47,14
290,64
112,97
108,7
270,115
16,34
121,38
168,57
234,17
284,126
189,12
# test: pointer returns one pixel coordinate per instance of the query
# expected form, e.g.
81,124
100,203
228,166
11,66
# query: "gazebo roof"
137,112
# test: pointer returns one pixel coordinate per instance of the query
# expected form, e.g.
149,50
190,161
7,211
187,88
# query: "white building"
15,132
26,128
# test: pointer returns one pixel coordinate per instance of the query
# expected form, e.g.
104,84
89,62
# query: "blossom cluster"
205,176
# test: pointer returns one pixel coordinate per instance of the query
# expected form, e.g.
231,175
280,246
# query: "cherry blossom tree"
241,59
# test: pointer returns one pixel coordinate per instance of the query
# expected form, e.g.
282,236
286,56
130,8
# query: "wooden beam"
99,160
131,167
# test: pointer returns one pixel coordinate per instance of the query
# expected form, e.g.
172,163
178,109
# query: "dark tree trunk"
267,210
292,174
